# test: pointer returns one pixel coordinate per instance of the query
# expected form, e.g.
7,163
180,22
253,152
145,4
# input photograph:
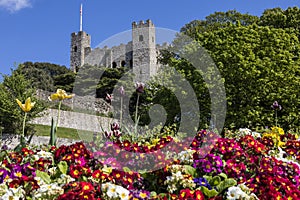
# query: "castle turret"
144,50
80,47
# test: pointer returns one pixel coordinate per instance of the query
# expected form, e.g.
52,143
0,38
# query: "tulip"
60,95
276,106
27,106
108,98
122,91
139,87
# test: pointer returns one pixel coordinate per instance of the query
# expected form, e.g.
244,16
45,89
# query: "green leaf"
226,184
208,193
190,170
215,181
208,178
44,176
63,167
126,169
223,175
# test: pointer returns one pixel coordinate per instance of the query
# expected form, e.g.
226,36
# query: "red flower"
96,174
199,195
75,171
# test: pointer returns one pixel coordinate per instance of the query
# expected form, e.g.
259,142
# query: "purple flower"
140,194
139,87
117,133
16,172
202,182
207,166
276,106
108,98
114,126
108,134
3,175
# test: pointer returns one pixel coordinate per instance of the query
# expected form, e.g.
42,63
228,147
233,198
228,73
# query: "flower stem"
276,118
136,108
121,112
58,115
23,130
136,113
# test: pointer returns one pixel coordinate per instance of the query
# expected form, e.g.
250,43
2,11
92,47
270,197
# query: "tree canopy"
258,61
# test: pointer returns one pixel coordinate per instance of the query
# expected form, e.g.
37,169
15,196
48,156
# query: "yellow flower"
60,95
280,143
278,130
27,106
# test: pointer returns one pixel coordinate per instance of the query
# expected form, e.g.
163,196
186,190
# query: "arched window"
123,63
114,65
141,38
75,49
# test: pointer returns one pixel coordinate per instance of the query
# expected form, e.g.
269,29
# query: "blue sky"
39,30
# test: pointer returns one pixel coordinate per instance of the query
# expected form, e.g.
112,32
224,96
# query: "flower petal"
20,104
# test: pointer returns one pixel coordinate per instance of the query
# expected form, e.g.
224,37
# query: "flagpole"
80,17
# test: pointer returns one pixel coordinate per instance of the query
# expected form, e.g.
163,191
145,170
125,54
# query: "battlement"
142,24
80,33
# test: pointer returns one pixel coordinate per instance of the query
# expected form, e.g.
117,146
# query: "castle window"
141,38
114,65
152,39
75,49
123,63
131,63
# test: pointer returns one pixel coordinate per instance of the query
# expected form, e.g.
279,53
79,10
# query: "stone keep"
80,48
140,54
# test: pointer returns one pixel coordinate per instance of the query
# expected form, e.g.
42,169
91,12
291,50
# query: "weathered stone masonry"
140,54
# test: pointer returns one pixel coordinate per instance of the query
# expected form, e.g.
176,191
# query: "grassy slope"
42,130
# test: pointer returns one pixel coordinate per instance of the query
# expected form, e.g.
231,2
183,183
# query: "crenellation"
140,54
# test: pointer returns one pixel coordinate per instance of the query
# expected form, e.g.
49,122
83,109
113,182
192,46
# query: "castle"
140,54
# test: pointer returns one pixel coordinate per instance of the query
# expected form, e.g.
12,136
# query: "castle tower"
80,47
144,57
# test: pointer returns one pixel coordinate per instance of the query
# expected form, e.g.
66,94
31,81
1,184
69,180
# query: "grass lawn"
43,130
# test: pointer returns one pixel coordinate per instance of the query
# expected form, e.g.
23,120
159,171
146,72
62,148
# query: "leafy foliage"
260,64
11,116
47,76
93,80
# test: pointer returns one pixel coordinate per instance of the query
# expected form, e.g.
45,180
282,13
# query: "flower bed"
243,165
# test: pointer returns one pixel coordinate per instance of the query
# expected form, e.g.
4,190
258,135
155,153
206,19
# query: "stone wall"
75,120
88,103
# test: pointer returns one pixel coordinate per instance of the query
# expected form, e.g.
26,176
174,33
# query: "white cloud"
14,5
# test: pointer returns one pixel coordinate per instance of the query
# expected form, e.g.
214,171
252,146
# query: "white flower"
44,154
234,193
39,180
256,134
111,190
13,194
52,170
123,193
244,131
178,175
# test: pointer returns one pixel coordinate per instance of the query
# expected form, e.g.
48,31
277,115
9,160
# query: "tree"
47,76
15,87
216,21
279,18
260,64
